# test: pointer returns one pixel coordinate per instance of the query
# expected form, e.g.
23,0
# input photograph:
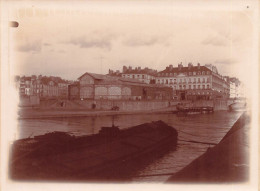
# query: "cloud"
215,41
30,47
145,41
62,51
46,44
103,42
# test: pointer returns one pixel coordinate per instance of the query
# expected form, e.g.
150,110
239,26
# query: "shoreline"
30,113
224,163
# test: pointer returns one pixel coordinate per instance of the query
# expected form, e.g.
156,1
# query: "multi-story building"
44,87
194,82
238,88
25,86
232,89
145,75
63,90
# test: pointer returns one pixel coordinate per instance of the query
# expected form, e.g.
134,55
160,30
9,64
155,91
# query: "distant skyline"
95,36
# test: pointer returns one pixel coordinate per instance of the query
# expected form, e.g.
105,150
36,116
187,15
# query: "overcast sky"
68,39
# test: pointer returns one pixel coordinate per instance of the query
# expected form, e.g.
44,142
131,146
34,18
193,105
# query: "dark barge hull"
100,157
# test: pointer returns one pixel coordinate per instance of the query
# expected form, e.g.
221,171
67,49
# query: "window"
208,86
199,80
203,80
189,86
199,73
138,76
180,80
198,86
175,74
190,73
203,86
194,86
166,81
203,73
143,76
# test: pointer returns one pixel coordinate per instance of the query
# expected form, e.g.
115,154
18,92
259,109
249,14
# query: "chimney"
139,68
198,65
180,66
124,69
130,68
190,65
171,67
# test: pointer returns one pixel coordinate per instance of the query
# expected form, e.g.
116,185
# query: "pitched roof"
141,71
106,79
185,69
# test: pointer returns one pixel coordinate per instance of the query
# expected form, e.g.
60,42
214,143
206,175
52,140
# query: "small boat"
112,154
194,110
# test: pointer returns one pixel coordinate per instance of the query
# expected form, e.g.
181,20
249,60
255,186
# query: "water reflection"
203,128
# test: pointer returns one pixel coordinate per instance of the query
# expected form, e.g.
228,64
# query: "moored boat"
110,154
194,110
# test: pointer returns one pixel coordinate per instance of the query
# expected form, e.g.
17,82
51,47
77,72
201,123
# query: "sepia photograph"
160,94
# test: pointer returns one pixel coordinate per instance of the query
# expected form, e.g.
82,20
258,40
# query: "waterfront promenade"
226,162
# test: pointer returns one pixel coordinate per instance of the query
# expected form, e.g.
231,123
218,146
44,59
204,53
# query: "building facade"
97,86
145,75
193,82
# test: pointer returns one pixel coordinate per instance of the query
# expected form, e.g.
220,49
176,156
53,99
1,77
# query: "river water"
202,128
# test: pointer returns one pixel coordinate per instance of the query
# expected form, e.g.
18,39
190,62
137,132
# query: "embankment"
225,163
69,108
130,105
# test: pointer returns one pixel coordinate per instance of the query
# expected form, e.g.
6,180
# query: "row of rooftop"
170,68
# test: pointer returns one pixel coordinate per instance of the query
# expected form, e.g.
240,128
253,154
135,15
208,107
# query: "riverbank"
225,163
36,113
68,108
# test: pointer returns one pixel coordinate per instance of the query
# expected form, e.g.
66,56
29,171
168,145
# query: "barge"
194,110
112,154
